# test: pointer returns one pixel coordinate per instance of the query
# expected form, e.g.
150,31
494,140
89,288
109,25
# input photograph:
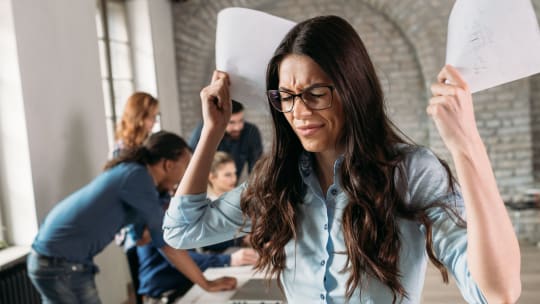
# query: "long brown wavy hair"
130,130
370,165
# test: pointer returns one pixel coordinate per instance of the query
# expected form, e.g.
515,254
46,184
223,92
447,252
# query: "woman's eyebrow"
285,89
305,88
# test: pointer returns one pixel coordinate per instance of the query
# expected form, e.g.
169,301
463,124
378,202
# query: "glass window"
115,60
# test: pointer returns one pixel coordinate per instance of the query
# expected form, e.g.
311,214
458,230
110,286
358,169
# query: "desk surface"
434,290
197,295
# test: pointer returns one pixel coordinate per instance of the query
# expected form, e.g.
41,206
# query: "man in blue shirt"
161,282
242,140
61,263
158,277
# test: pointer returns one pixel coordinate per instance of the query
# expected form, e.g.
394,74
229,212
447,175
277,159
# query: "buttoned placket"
328,201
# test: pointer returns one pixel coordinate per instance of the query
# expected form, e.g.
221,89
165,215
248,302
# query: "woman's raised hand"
216,102
451,108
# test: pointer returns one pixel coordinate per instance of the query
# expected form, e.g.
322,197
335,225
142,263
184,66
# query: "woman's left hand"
451,108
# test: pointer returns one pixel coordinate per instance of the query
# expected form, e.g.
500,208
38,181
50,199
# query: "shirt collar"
305,166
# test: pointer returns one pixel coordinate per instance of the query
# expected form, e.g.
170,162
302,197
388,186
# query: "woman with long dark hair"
61,263
343,208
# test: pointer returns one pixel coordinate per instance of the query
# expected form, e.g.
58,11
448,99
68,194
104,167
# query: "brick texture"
406,40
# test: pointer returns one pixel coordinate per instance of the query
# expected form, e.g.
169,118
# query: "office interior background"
66,67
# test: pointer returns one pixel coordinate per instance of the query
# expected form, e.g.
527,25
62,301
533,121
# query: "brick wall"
406,40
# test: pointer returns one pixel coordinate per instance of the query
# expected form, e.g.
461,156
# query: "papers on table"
492,42
245,41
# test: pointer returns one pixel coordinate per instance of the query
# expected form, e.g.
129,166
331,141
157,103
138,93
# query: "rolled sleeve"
427,183
194,221
450,246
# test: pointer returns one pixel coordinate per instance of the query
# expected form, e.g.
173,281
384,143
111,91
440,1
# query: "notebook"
255,291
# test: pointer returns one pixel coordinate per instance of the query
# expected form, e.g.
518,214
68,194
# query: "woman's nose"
299,108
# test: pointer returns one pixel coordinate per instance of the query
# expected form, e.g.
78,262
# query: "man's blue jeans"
61,281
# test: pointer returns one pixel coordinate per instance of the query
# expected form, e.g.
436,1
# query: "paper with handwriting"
245,42
492,42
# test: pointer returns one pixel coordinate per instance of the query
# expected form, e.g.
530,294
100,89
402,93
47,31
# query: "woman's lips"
308,129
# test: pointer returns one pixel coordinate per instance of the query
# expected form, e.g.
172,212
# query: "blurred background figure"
61,264
158,280
222,177
242,140
138,119
161,282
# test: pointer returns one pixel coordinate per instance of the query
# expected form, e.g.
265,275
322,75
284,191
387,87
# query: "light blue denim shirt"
313,264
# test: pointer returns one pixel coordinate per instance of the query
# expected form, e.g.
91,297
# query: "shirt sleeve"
139,192
205,260
194,221
195,136
427,183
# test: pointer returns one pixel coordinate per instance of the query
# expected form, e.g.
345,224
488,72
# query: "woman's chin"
311,146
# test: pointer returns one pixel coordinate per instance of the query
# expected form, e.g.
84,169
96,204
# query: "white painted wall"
53,131
16,191
63,100
52,120
161,24
151,33
141,43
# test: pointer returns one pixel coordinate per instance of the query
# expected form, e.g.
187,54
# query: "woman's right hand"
216,103
220,284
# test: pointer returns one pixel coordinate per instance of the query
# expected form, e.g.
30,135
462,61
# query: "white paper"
245,42
492,42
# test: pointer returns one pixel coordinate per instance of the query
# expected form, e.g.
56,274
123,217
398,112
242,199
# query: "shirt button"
322,263
325,226
322,296
334,192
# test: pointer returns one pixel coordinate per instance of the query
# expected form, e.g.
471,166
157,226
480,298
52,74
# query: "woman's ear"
167,165
211,177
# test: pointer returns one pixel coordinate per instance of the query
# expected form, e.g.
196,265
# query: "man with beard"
242,140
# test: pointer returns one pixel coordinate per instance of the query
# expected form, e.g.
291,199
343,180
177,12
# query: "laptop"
256,291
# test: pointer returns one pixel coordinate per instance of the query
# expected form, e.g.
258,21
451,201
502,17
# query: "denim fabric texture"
60,281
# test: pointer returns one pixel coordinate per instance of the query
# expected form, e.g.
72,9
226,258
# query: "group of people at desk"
131,195
342,209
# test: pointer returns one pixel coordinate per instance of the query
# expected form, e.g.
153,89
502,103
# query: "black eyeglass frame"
331,87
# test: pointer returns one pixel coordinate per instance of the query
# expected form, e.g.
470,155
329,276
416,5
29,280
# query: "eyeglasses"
316,97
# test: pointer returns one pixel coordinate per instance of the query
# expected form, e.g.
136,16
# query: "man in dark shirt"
160,279
242,139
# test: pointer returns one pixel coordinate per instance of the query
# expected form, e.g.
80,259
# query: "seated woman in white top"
222,177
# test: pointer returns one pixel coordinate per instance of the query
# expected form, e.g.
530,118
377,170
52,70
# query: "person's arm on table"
185,264
241,257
